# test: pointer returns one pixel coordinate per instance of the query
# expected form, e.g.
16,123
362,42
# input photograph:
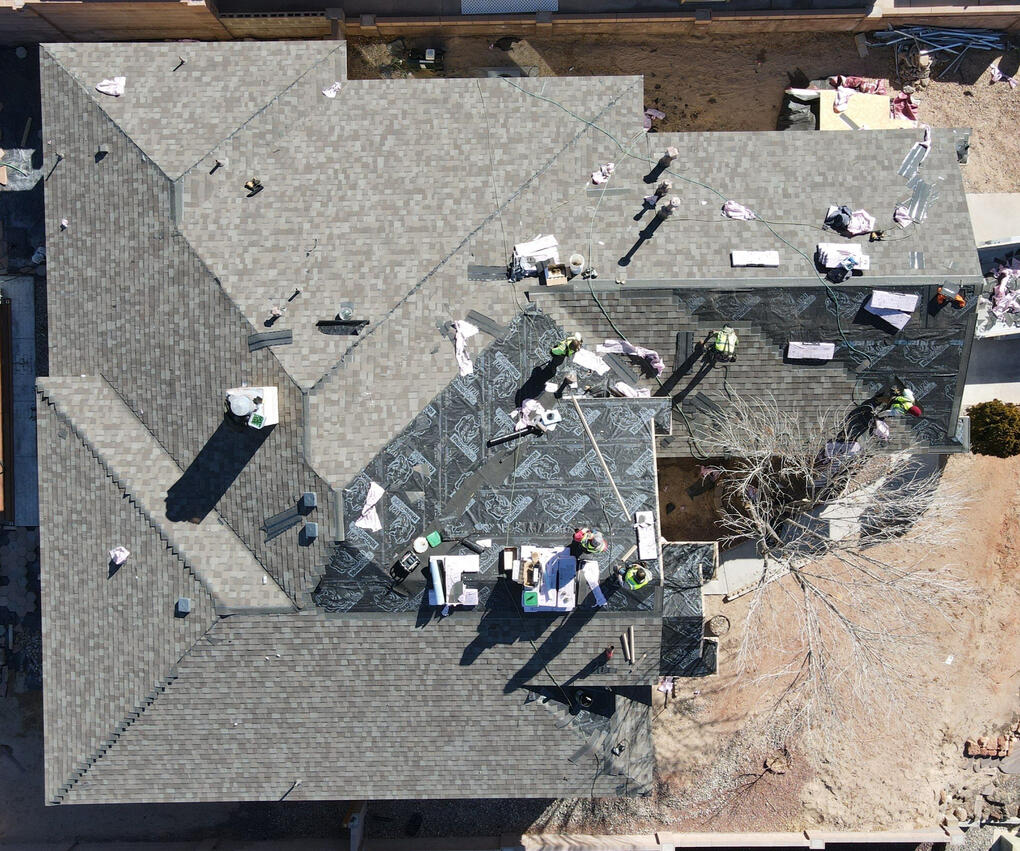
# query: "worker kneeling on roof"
903,403
722,345
634,577
590,540
568,346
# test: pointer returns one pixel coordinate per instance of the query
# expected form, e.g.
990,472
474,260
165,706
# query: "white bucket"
576,264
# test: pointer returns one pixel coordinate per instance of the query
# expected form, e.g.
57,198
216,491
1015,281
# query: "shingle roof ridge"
263,108
75,81
492,216
48,397
222,594
147,701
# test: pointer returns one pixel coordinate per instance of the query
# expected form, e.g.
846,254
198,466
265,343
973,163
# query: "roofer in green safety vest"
590,540
634,577
903,403
568,346
722,345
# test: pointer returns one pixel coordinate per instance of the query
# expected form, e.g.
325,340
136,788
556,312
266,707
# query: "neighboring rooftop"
399,201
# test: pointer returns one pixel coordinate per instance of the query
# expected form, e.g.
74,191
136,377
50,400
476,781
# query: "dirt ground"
711,740
737,82
689,506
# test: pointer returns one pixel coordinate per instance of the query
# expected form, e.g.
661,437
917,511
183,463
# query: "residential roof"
399,200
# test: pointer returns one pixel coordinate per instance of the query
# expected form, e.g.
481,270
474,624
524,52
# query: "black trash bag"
839,274
797,114
839,219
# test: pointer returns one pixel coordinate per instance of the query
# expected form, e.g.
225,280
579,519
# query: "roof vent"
183,607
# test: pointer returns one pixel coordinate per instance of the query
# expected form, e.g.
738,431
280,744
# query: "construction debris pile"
917,48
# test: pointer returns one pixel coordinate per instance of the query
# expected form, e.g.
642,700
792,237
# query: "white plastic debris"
463,330
604,172
733,210
113,88
810,351
332,90
998,76
369,518
590,572
590,360
119,555
622,388
832,254
623,347
894,308
651,115
769,259
541,249
528,414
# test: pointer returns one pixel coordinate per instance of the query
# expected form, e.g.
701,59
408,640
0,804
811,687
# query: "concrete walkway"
994,371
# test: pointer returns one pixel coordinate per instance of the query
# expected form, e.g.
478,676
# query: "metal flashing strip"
924,194
912,161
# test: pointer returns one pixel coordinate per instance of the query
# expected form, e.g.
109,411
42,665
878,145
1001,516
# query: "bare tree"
847,595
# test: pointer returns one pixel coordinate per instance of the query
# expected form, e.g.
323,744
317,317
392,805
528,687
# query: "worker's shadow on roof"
643,236
555,643
213,471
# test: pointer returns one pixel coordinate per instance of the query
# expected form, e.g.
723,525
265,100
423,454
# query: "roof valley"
213,551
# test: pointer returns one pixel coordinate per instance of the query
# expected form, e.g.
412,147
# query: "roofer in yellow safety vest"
590,541
568,346
904,403
722,345
634,577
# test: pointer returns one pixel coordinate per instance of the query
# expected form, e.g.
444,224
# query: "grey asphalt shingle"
383,198
263,702
110,637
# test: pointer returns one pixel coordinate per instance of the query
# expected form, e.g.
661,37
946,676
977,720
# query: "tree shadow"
213,471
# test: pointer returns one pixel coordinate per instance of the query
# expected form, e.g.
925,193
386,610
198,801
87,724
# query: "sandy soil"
686,517
712,740
736,82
